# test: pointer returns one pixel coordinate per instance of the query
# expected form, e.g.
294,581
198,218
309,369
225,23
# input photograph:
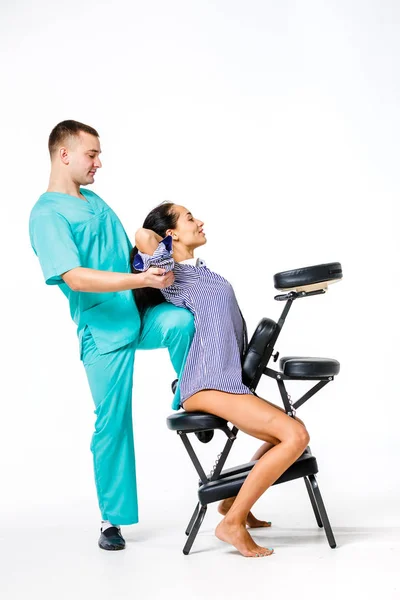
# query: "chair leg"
322,511
313,503
193,517
195,529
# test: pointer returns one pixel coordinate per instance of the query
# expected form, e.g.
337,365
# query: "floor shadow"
281,537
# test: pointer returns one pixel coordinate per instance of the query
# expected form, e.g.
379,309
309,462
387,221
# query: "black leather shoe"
111,539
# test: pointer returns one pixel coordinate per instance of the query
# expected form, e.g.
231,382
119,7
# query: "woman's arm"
147,240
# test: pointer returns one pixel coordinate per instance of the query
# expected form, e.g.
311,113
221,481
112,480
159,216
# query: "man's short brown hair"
65,129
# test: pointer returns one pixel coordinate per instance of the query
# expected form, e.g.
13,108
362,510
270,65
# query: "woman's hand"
147,241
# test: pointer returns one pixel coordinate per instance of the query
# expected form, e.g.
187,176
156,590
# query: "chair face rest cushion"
194,421
308,276
256,348
309,367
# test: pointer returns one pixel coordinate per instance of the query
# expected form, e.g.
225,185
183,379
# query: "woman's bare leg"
263,421
225,505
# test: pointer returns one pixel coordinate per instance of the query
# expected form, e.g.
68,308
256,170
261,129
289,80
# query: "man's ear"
64,155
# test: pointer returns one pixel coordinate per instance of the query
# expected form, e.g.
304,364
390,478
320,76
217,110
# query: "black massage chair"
221,484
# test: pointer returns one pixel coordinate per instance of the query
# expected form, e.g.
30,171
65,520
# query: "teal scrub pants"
110,380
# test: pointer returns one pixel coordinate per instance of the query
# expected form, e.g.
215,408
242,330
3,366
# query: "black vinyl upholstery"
299,367
229,485
257,354
308,275
194,421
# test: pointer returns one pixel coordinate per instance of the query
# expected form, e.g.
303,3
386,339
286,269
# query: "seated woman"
211,380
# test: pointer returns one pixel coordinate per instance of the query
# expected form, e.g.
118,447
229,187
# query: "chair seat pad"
300,367
194,421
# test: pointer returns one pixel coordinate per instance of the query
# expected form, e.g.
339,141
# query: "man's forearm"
82,279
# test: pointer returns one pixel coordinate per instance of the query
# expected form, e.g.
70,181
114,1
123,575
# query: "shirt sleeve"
179,292
162,257
53,242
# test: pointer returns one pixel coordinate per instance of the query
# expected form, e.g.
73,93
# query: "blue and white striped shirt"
214,358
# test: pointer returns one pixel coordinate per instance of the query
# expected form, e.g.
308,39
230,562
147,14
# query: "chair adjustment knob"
205,436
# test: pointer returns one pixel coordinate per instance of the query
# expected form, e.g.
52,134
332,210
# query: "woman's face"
188,231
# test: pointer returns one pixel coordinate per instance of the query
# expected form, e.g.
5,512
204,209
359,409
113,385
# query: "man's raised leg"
167,326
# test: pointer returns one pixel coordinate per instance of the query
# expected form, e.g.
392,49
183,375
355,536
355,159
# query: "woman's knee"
300,435
295,434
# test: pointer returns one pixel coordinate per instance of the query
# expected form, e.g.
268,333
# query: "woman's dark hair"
159,220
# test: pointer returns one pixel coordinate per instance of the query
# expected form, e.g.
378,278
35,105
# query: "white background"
277,123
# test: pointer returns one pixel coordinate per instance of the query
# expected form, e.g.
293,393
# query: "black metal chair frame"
218,484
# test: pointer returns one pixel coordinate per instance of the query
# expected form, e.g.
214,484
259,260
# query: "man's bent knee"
179,322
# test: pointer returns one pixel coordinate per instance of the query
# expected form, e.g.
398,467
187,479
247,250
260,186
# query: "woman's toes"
264,552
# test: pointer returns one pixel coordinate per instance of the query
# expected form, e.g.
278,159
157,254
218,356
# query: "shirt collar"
195,262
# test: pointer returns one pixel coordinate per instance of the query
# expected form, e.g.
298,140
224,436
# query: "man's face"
81,154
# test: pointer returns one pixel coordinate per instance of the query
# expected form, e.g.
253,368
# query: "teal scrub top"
66,232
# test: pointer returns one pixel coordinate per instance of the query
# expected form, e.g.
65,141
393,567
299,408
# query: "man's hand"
158,278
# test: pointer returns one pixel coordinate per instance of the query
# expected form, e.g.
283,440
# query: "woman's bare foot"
239,537
251,520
